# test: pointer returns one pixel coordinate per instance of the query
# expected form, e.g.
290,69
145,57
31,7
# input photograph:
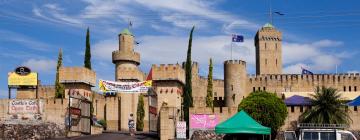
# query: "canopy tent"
297,100
355,102
242,123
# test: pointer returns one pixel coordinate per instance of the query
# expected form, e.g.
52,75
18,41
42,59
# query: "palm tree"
327,108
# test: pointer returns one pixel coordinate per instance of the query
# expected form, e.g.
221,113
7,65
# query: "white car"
319,134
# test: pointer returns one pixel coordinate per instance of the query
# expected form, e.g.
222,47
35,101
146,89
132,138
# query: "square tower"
268,50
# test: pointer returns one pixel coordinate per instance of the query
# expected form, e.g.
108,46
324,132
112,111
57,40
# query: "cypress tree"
87,61
188,100
140,114
59,88
209,95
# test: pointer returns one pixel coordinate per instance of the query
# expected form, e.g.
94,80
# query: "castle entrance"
79,113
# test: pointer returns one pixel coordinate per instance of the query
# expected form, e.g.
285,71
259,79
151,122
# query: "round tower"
126,59
235,78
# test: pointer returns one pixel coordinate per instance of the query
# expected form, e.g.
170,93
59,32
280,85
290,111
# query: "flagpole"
231,46
336,69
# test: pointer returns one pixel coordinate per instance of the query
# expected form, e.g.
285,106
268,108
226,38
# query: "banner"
181,130
15,79
203,121
24,107
125,87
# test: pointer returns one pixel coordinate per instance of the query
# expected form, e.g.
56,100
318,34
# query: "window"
275,46
254,89
292,108
264,88
355,108
346,136
349,88
265,46
232,87
310,136
344,88
259,89
327,136
355,88
276,62
301,108
265,61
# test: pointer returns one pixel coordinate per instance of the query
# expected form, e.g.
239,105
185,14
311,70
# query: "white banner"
181,130
24,107
125,87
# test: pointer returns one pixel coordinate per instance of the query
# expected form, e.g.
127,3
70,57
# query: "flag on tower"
237,38
305,71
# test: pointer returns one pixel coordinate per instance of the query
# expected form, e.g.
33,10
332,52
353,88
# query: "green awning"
241,123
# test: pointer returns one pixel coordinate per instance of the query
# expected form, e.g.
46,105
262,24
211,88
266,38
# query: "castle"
164,107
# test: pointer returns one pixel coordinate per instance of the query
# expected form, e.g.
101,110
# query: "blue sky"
318,35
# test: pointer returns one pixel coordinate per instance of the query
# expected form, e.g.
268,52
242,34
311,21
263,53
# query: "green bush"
266,108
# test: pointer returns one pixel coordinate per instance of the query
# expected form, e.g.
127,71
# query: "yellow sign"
125,87
22,80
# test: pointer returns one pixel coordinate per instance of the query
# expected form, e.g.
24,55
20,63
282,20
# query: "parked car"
319,132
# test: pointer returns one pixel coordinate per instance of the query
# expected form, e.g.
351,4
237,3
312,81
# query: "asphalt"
114,136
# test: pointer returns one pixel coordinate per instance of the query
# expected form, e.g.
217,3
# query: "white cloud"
314,55
9,36
353,71
295,68
41,65
102,50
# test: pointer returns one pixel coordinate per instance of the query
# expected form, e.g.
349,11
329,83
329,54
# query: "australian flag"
305,71
237,38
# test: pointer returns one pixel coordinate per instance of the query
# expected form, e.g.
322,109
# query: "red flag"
149,77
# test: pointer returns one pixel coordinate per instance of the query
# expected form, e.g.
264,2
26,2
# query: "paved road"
111,136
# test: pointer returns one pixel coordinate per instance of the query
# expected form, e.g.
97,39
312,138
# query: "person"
131,124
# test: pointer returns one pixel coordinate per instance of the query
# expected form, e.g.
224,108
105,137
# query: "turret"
268,50
126,59
235,82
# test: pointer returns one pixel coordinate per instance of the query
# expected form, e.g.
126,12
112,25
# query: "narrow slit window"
292,109
344,88
349,88
265,61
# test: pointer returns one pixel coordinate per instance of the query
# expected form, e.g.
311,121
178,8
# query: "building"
170,78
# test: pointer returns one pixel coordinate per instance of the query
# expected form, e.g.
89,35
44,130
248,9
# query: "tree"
187,96
87,60
140,114
266,108
59,88
327,108
209,95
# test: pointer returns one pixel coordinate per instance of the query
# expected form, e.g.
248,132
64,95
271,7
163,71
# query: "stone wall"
31,130
347,84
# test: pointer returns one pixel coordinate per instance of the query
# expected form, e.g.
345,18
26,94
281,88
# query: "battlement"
56,102
168,72
235,62
77,75
129,73
314,77
125,56
216,82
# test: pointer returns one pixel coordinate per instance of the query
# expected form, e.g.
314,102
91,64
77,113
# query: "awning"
355,102
241,123
297,100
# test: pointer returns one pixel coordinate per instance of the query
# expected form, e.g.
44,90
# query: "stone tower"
268,50
126,62
235,82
